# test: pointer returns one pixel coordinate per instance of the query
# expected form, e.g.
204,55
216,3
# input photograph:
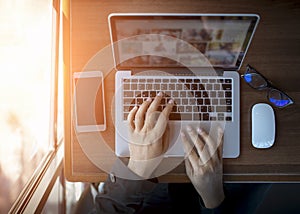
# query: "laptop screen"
178,40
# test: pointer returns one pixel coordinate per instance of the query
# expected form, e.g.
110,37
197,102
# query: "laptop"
193,59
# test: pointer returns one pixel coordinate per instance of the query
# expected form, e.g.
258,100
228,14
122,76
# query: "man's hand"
147,128
204,165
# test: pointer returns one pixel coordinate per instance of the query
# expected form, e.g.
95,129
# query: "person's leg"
185,198
172,198
158,201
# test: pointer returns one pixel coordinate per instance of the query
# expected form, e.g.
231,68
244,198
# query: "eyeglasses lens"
277,98
255,80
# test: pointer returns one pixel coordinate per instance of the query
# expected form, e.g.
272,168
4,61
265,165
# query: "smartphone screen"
89,102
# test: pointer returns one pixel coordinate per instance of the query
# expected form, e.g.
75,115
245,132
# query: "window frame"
35,193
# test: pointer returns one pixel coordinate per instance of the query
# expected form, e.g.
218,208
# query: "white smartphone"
89,104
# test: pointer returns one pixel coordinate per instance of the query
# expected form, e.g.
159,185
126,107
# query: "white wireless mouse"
263,126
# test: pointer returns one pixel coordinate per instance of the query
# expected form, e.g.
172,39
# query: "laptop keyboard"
204,99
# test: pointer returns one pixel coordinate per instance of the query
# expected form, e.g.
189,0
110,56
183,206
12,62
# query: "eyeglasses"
259,82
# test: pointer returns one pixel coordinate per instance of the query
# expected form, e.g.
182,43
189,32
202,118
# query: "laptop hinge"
178,71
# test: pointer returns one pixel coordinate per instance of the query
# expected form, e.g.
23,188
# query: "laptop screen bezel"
114,17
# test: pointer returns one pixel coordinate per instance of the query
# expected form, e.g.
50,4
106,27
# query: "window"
26,93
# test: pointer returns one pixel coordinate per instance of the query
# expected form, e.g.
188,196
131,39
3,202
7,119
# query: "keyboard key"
194,87
164,87
134,87
217,87
210,108
182,94
145,94
187,86
228,101
186,116
228,109
222,101
139,101
228,118
197,116
200,101
203,109
188,109
141,87
220,94
185,101
207,101
195,109
212,94
177,101
228,93
181,116
197,93
174,109
160,108
150,80
205,116
128,101
221,117
179,87
192,101
126,108
175,116
175,94
201,87
208,87
171,87
180,108
137,94
214,101
226,86
128,93
221,108
152,94
168,93
149,87
204,94
126,86
156,87
190,93
213,118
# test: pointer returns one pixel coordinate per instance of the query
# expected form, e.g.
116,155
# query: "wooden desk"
274,51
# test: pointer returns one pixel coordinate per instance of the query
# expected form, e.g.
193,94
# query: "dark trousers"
183,198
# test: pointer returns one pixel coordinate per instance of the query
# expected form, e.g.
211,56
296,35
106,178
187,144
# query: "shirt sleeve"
123,196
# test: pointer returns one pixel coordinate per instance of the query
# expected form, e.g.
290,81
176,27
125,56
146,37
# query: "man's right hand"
204,165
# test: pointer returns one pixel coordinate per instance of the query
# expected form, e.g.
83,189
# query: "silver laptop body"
194,59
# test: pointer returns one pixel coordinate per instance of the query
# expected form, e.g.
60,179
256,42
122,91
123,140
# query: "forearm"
144,168
213,198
